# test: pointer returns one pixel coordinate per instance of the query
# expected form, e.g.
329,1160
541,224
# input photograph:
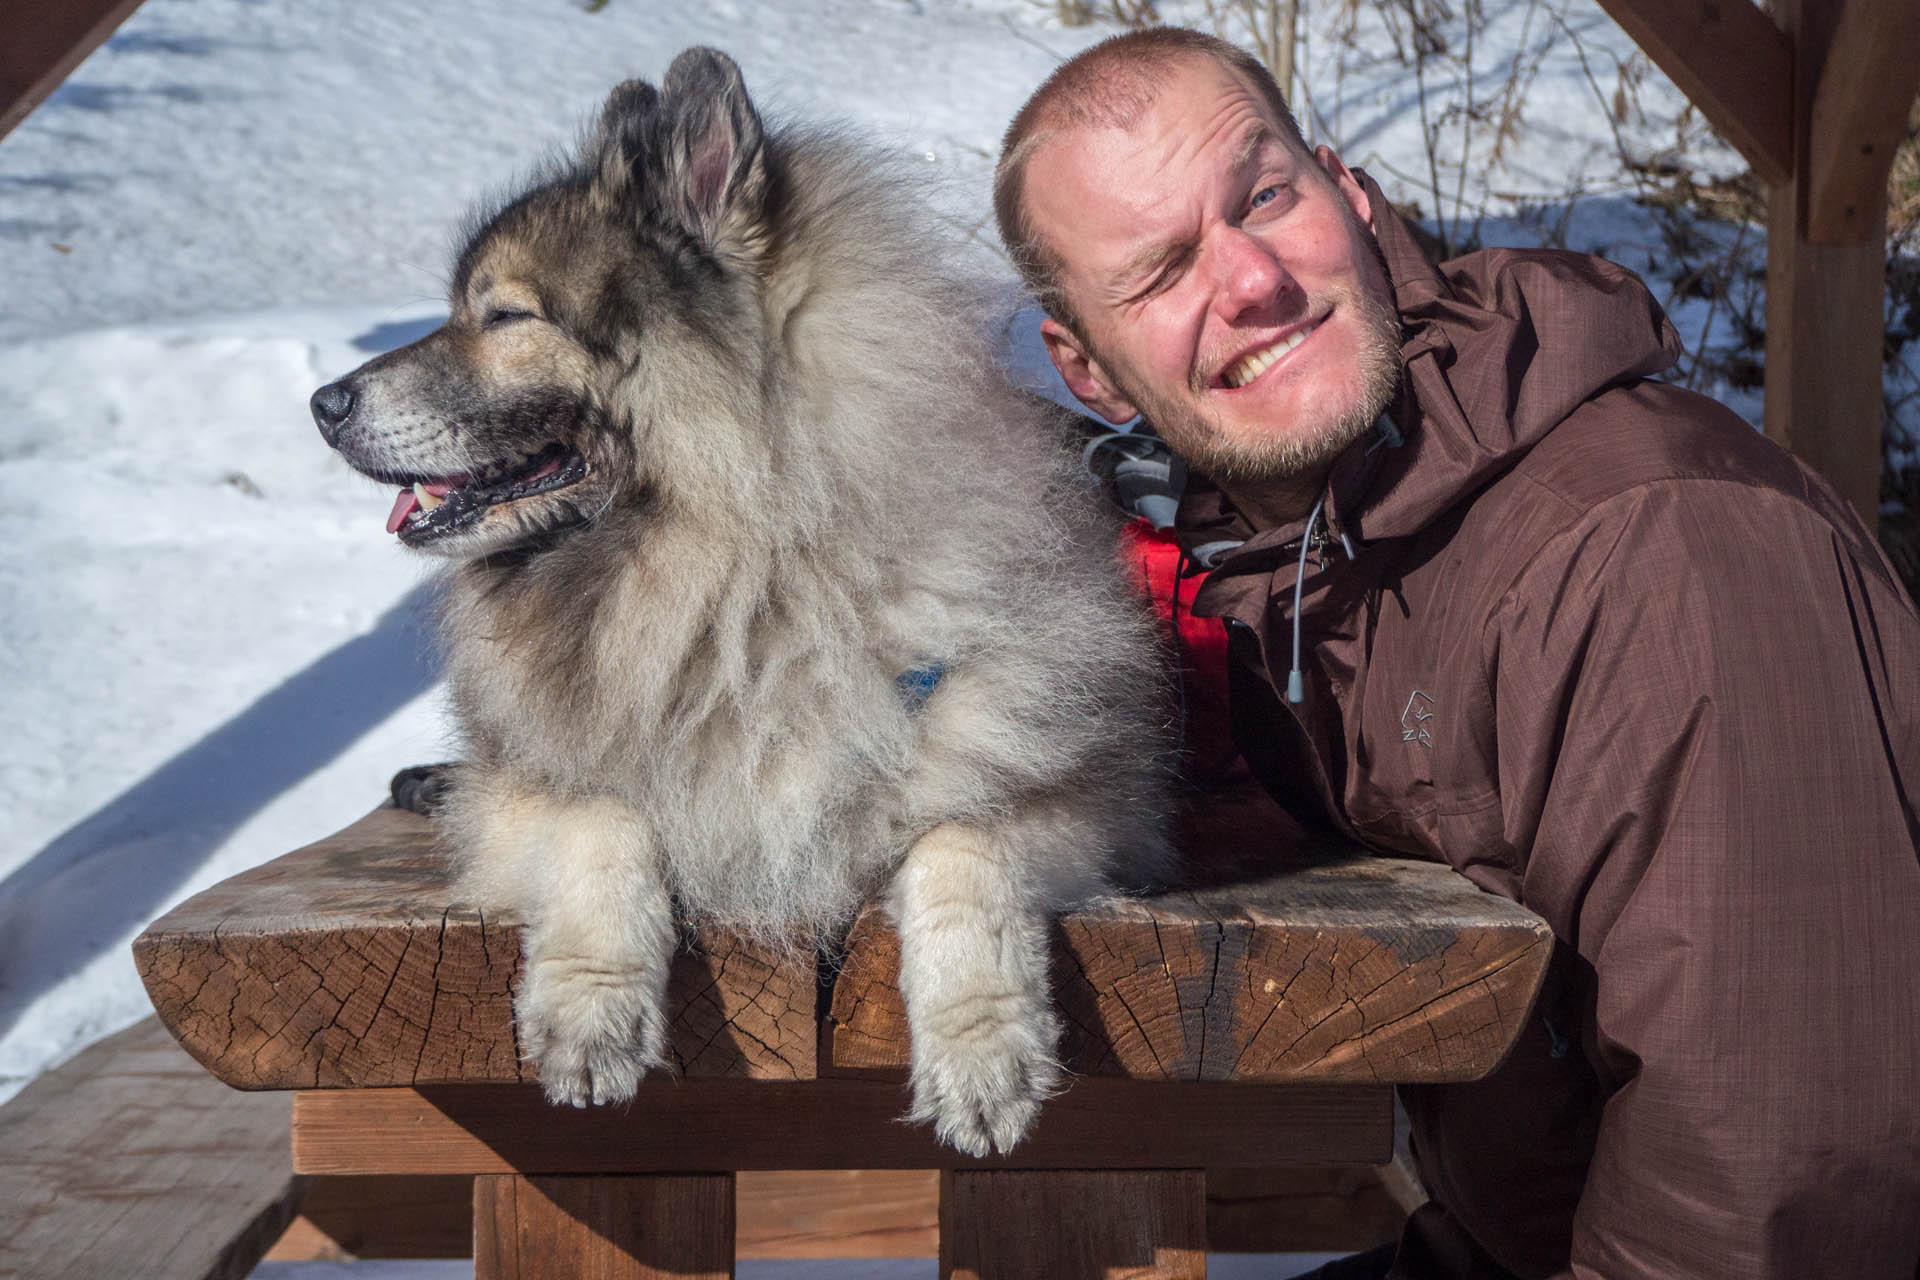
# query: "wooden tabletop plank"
1333,965
348,963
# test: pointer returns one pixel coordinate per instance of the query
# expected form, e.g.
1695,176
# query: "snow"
210,652
207,658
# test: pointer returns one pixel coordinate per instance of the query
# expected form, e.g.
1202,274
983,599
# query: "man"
1585,636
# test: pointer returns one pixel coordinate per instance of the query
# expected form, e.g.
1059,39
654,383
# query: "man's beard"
1280,454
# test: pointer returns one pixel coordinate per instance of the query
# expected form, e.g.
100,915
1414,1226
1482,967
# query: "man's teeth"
1249,367
426,500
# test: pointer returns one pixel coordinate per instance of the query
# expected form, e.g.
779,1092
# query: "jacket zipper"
1315,760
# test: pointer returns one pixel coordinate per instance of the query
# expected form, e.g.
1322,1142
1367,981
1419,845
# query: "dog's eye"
505,315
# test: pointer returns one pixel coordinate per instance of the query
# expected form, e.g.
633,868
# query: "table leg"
1073,1224
636,1227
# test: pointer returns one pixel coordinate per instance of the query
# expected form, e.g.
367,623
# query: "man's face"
1226,283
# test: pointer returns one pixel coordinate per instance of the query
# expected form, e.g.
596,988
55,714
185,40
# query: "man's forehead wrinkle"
1240,110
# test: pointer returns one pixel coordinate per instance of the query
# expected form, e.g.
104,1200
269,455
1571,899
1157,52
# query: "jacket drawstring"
1386,433
1296,690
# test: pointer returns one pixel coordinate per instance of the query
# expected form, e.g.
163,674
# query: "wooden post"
603,1228
1825,319
1073,1225
1858,117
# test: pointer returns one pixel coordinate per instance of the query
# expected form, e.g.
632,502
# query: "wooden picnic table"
1259,1019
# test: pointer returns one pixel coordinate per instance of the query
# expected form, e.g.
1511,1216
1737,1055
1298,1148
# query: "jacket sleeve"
1707,702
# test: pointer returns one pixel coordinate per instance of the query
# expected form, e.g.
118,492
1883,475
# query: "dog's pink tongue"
403,504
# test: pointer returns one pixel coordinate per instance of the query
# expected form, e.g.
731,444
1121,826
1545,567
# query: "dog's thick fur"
780,470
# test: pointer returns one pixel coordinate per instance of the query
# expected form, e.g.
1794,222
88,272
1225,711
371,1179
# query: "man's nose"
1250,273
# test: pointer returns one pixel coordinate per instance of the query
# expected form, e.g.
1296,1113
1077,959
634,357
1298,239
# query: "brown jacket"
1610,653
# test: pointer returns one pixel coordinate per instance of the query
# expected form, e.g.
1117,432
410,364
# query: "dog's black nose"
332,405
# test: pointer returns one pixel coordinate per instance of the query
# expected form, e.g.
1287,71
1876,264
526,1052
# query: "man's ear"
1346,184
1083,374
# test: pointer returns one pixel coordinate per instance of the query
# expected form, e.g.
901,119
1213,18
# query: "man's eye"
1265,195
1164,279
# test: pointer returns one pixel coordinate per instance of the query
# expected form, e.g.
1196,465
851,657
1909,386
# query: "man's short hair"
1106,86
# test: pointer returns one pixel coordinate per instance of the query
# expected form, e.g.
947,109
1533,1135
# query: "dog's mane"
853,492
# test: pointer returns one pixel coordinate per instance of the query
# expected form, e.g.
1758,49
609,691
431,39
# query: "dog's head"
597,306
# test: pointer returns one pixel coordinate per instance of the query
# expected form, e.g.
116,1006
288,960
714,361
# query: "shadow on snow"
110,872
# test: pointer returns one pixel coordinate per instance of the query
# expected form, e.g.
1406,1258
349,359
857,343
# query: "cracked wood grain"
348,964
1339,967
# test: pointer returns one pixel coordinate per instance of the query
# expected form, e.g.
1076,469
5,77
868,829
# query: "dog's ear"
709,158
620,140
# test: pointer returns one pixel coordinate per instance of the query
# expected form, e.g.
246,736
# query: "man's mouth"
1254,363
429,507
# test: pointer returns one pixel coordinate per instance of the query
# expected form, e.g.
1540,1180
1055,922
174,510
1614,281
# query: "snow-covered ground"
209,651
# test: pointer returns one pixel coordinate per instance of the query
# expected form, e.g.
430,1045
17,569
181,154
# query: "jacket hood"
1498,346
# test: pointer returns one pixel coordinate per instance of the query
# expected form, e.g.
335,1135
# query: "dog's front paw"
423,788
981,1069
590,1029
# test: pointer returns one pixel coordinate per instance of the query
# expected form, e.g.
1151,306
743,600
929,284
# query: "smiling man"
1496,597
1237,300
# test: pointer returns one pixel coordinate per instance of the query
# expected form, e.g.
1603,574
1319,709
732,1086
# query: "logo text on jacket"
1413,721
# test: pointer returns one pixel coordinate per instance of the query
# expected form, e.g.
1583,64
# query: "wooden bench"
1249,1024
129,1160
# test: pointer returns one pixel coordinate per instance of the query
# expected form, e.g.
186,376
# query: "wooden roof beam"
1733,63
1867,85
42,41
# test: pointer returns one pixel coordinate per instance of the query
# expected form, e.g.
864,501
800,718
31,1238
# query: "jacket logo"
1413,721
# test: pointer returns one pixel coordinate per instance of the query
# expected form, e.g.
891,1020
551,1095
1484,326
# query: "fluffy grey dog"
771,596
